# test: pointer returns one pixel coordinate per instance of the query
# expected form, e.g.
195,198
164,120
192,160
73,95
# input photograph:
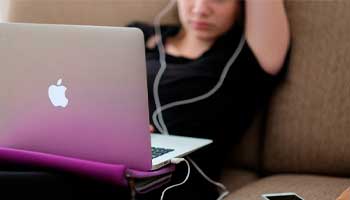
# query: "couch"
301,141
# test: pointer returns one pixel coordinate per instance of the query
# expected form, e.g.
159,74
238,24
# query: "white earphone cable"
157,114
160,126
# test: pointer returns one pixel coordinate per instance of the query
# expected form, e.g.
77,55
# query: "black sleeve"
254,72
257,85
253,66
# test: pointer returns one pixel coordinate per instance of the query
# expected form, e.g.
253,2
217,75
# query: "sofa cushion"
234,178
309,122
90,12
307,186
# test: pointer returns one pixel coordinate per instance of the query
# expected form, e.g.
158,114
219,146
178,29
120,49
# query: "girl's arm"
267,32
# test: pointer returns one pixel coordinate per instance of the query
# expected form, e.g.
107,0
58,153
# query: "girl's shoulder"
147,29
149,32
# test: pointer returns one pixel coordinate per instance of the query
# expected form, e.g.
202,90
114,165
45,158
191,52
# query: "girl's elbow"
273,63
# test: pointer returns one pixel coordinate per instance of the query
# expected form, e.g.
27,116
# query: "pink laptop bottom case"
117,174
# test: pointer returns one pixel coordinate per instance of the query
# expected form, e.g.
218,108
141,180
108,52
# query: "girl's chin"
205,36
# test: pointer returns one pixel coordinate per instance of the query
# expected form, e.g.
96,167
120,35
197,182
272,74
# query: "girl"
196,52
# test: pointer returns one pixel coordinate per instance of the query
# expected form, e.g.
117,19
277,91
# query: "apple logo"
57,94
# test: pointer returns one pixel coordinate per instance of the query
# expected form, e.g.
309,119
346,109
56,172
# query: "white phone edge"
265,196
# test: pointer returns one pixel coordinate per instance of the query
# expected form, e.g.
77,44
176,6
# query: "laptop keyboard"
156,152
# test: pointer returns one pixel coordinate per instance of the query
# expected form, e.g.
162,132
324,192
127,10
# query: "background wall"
4,5
87,12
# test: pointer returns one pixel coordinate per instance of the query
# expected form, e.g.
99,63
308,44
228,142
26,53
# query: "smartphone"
282,196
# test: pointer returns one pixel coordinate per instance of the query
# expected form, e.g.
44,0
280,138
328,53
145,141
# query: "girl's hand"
151,129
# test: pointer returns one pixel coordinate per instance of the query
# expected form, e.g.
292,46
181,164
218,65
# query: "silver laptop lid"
103,71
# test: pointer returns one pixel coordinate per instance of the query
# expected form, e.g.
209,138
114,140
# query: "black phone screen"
284,197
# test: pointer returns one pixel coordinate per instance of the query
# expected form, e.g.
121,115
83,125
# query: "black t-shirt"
223,116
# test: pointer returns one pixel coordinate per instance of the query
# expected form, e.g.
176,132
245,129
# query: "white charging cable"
177,161
224,191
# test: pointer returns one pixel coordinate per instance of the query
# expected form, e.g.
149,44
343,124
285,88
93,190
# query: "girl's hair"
240,18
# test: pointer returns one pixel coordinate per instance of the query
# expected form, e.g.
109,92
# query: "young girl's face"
207,19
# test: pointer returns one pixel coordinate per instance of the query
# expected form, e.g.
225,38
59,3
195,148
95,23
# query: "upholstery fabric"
236,178
308,123
309,187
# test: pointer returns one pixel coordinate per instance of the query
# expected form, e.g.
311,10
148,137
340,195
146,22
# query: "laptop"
81,91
